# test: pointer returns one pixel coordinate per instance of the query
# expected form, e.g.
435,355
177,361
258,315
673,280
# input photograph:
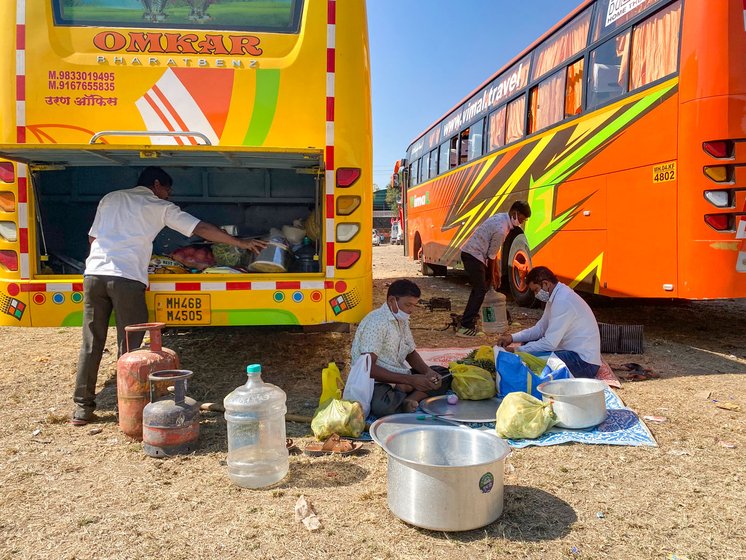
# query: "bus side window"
546,102
574,89
496,137
655,47
514,126
476,143
434,163
607,78
463,155
443,157
413,172
453,152
425,167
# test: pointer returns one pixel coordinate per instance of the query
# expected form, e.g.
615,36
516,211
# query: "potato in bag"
523,416
472,383
336,416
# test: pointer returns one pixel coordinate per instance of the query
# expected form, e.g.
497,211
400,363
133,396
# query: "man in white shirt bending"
568,327
116,274
478,257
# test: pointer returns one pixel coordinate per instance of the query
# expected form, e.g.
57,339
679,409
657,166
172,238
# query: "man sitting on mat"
402,378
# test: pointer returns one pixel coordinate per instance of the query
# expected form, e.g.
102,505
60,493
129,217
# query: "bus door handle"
199,135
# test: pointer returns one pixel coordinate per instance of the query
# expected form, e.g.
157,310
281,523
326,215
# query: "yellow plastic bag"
521,415
534,363
472,383
485,353
331,383
336,416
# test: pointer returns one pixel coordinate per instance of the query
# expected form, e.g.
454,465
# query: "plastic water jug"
255,414
494,314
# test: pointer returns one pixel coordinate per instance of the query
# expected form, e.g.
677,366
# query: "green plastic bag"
472,383
336,416
523,416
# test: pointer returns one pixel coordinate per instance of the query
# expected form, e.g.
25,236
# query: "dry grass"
69,494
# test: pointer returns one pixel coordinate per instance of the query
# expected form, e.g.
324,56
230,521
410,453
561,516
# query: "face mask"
399,314
514,221
542,295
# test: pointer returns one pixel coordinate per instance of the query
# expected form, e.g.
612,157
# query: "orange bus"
259,110
623,127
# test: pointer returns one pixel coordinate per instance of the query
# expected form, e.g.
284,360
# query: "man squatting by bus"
116,273
567,327
478,256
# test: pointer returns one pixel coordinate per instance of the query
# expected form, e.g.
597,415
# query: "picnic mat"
621,427
443,356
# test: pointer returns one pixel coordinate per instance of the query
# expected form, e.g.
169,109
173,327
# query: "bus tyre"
519,263
427,269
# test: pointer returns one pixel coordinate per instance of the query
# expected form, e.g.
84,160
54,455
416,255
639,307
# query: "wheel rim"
519,269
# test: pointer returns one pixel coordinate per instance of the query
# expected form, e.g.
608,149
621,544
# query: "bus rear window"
275,16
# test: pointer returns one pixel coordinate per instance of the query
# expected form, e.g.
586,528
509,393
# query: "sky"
427,55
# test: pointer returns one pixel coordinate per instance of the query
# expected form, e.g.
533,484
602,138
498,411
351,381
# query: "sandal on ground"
634,372
290,445
332,446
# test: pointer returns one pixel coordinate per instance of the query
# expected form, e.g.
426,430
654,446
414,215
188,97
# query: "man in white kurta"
567,327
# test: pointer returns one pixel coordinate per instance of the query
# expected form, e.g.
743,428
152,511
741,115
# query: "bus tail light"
719,222
346,176
720,149
346,258
9,259
345,232
718,173
346,205
720,199
7,173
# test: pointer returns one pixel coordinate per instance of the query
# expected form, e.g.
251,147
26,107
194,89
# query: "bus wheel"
428,269
519,263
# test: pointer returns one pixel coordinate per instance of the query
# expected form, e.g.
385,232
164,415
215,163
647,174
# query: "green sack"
472,383
521,415
336,416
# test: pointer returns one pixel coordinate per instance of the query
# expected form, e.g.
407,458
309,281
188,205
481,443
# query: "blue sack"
516,376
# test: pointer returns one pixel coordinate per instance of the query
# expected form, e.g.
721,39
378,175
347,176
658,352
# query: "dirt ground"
70,492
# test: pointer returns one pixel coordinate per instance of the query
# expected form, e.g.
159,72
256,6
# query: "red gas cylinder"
133,369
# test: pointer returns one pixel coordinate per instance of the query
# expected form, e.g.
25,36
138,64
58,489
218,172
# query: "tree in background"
393,196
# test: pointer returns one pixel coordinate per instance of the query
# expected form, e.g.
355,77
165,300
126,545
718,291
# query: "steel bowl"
578,403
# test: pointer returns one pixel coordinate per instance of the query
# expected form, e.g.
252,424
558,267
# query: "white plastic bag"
359,386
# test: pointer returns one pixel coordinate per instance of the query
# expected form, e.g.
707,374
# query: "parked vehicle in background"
396,234
622,110
376,238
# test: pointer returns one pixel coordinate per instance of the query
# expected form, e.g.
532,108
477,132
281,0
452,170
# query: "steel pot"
275,257
578,403
444,477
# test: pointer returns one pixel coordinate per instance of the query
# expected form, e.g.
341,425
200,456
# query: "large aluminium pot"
444,477
578,403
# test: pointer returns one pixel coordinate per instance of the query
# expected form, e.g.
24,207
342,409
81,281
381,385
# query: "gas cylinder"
133,369
494,314
170,426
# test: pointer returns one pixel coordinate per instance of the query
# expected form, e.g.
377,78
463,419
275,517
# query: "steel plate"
463,410
384,427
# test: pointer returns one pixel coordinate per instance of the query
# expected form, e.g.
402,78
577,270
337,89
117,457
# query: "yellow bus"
259,110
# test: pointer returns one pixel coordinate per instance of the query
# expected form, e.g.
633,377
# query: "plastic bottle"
494,314
255,414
